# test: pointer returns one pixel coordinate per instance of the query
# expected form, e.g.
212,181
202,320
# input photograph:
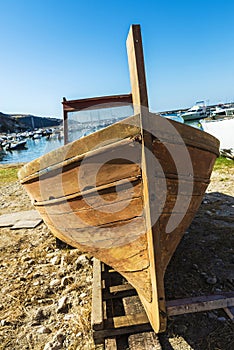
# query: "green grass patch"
223,163
8,174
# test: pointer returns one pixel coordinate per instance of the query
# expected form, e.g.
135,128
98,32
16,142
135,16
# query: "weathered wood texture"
63,155
102,193
97,312
96,102
124,313
21,219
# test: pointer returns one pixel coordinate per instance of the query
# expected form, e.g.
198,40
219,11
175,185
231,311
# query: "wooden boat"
128,192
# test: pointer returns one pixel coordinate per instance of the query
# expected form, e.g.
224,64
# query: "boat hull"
98,193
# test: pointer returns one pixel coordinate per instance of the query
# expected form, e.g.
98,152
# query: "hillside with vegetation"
21,122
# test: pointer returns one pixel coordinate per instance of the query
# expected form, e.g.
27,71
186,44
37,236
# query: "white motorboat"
198,111
221,111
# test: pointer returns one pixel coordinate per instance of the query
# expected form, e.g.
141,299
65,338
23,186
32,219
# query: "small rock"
3,323
81,261
43,330
208,212
39,315
56,343
55,260
55,283
22,279
221,319
31,262
62,305
211,280
59,337
195,267
66,280
68,317
82,295
204,274
78,334
36,275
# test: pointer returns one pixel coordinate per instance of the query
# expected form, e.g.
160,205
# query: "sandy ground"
45,292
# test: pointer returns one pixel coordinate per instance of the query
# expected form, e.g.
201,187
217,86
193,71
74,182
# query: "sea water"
35,149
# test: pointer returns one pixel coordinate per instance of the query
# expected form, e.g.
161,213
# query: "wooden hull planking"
108,220
128,192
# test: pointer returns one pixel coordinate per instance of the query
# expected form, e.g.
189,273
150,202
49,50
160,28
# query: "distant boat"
16,145
36,136
126,193
198,111
222,111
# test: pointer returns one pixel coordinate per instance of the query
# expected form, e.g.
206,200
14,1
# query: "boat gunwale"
133,124
186,140
76,159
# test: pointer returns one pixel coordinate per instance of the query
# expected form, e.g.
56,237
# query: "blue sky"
76,49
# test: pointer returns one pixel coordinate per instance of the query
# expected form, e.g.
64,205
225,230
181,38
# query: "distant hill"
21,122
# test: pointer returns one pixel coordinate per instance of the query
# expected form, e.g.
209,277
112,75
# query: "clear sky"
76,49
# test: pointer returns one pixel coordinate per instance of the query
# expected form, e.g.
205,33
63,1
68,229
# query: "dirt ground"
45,292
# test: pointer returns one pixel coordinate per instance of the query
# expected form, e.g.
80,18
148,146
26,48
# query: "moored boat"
198,111
127,192
16,145
222,111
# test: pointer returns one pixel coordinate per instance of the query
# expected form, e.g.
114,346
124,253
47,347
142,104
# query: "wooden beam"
96,102
97,312
65,127
110,344
199,304
137,69
230,312
156,308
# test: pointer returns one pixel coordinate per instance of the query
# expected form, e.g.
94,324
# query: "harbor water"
33,150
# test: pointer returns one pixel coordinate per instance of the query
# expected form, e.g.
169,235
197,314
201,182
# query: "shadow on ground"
203,264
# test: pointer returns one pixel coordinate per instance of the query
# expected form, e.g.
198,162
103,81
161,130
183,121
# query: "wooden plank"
230,312
144,341
133,305
110,344
96,102
97,311
126,321
26,218
130,329
156,307
26,224
137,69
121,288
198,304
